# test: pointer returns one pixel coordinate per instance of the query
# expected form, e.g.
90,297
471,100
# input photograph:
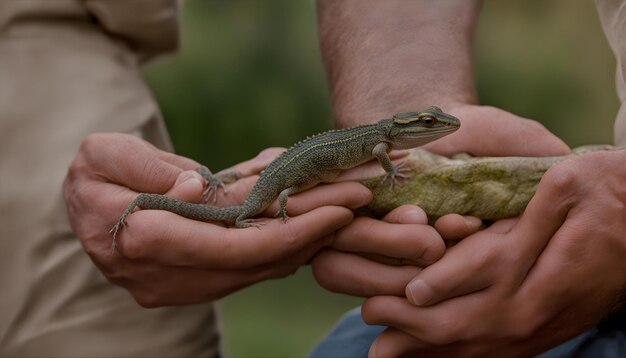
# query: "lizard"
317,159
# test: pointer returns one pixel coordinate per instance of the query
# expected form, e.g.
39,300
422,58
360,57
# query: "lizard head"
413,129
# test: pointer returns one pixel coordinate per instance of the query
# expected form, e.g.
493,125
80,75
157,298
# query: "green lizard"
318,159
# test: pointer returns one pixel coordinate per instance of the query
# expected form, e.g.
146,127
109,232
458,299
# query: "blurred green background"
249,76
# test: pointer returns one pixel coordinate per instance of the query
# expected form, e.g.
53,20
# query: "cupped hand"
522,285
165,259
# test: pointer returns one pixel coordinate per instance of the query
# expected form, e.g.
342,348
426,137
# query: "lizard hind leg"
245,223
282,202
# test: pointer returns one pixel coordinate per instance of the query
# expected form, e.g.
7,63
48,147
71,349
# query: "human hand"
165,259
402,234
522,285
490,131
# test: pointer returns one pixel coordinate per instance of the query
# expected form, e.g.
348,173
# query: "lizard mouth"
431,132
418,138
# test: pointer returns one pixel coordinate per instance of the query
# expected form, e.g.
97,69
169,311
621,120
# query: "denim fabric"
350,337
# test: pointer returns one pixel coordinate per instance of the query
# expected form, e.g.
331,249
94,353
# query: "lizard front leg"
381,152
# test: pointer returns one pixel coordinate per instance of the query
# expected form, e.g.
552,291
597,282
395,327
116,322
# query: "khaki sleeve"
150,27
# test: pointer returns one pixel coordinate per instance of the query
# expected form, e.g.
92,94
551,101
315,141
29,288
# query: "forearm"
386,56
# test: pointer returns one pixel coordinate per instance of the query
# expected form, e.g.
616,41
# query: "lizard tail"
193,211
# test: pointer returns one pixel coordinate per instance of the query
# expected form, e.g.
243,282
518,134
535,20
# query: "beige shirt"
69,68
613,18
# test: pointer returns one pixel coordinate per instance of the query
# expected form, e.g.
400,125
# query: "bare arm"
379,60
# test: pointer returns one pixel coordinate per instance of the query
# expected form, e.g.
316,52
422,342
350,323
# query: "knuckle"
91,244
147,299
433,247
527,324
90,145
446,332
155,168
127,248
93,144
531,316
285,272
92,140
485,259
560,178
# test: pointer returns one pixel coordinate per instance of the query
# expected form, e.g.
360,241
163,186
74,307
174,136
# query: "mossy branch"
490,188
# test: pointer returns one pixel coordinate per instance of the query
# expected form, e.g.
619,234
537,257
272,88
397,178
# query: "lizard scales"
317,159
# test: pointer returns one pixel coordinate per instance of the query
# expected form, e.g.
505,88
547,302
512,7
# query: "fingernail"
472,221
373,353
413,216
419,292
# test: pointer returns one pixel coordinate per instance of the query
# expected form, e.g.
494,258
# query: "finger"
395,343
390,310
237,191
455,226
177,160
407,214
167,238
462,319
545,212
129,161
257,164
397,312
347,194
290,264
416,243
154,285
354,275
468,267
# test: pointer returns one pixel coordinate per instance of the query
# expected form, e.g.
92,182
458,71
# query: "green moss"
489,188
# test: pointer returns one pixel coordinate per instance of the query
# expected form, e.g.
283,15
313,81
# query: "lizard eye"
428,120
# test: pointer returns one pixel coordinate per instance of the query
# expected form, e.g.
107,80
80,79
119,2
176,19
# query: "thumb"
131,162
188,187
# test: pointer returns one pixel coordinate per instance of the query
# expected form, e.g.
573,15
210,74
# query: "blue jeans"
351,338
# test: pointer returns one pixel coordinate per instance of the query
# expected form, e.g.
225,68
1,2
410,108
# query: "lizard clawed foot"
282,214
249,223
213,184
212,188
114,230
397,172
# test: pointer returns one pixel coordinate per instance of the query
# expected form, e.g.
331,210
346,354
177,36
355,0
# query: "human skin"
164,259
517,287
